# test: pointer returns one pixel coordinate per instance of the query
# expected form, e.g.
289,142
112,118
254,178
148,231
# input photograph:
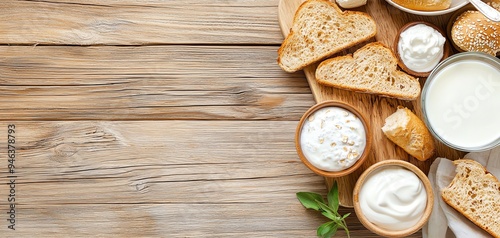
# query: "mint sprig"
316,202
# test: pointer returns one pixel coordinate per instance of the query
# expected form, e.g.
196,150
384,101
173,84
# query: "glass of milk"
461,101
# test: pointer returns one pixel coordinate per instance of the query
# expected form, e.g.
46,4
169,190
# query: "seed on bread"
472,31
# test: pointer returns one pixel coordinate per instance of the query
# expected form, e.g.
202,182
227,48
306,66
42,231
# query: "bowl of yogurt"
461,102
333,138
419,47
393,198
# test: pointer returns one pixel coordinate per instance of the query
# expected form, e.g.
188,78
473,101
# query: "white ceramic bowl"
455,5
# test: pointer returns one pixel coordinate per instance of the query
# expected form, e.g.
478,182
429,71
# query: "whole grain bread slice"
371,69
475,193
320,29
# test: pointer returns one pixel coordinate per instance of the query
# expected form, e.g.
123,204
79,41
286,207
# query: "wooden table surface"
154,118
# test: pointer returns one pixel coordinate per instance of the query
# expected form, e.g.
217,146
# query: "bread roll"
407,131
472,31
475,193
424,5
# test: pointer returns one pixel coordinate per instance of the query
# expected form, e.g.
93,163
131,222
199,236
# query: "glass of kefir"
461,101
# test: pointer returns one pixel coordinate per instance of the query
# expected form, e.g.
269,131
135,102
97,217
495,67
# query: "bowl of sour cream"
419,47
461,101
333,138
393,198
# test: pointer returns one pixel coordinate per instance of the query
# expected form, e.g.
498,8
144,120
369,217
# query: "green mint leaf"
309,200
333,197
315,201
328,212
343,225
325,208
327,228
330,215
332,232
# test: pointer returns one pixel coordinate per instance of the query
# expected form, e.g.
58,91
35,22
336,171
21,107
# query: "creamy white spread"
393,198
332,139
421,47
351,3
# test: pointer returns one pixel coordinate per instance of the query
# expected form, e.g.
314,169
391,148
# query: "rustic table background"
155,118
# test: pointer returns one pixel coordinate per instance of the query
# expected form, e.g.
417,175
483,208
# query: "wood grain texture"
159,118
376,108
134,22
161,179
146,83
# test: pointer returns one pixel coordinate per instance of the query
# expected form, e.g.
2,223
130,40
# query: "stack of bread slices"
321,29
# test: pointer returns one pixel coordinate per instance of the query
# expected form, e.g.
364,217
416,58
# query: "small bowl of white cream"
393,198
419,47
333,139
461,101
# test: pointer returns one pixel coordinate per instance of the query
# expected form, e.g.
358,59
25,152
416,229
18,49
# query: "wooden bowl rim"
348,107
389,233
446,48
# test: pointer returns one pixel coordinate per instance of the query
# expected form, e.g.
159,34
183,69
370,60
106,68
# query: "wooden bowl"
446,49
361,159
390,233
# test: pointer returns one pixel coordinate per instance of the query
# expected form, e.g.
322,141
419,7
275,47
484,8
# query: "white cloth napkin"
445,222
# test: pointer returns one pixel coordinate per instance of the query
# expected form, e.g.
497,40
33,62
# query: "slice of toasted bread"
320,29
475,193
371,69
424,5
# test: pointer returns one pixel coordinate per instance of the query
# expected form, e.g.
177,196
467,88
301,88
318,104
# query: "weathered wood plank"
154,82
160,178
219,162
282,218
132,169
140,161
135,22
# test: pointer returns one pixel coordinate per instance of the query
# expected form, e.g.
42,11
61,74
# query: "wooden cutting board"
388,20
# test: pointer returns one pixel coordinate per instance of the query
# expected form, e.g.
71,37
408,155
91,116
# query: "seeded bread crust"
371,69
472,31
475,193
320,29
